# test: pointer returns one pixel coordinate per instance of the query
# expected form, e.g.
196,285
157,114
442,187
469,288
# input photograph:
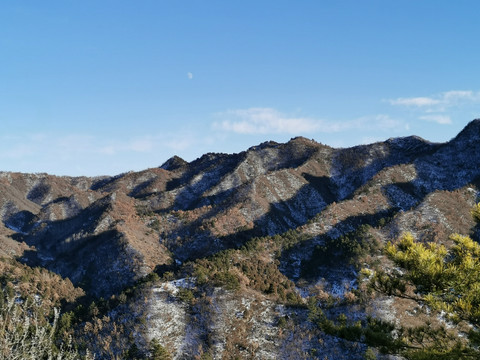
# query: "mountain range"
223,257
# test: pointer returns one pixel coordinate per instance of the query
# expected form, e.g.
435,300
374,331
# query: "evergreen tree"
158,352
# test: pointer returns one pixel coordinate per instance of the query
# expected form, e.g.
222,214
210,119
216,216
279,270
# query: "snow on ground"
167,318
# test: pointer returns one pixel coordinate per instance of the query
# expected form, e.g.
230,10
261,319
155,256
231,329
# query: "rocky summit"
283,251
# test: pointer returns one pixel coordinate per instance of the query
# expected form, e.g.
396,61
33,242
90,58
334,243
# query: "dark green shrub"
186,295
226,280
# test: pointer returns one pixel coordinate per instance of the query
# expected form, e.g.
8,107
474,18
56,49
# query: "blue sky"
104,87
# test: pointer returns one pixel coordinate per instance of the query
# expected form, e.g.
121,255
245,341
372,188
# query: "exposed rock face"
105,233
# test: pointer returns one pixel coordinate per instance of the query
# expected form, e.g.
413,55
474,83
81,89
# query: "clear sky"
107,86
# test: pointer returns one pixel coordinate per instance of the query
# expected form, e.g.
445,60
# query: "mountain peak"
174,163
471,132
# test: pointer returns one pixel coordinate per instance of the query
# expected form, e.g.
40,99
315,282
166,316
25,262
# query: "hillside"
248,255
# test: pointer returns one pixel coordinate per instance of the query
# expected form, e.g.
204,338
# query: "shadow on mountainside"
281,217
309,200
338,249
137,191
211,170
106,183
102,264
436,173
85,248
354,167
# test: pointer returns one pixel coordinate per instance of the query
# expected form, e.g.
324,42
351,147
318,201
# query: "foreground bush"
27,334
